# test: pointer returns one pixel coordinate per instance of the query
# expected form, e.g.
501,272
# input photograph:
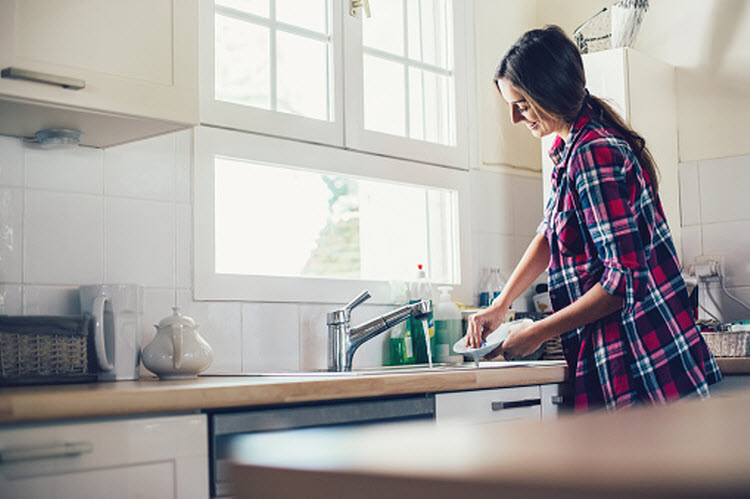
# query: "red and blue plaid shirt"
605,225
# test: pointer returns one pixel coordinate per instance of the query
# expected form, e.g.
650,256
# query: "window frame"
208,285
347,130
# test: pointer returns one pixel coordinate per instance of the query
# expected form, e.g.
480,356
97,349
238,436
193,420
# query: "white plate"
491,341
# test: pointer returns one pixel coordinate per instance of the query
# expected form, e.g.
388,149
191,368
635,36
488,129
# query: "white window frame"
347,129
208,285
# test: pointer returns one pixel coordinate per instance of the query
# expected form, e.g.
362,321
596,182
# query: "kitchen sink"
403,369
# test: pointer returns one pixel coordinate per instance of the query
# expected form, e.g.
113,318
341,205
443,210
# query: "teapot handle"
177,345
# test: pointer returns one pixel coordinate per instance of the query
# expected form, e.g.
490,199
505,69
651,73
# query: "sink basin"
404,369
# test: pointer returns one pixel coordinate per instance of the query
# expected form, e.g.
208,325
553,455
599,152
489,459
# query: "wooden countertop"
734,365
690,449
150,395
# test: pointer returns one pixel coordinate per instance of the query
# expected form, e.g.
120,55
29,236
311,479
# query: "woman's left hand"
522,341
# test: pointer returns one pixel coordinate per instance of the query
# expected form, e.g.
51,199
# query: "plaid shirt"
605,225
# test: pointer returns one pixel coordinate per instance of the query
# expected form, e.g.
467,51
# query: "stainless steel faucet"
344,340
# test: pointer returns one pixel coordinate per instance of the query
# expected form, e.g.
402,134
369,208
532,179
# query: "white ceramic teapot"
177,351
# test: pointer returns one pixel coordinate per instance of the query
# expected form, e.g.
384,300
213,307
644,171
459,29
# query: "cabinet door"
137,457
488,406
135,58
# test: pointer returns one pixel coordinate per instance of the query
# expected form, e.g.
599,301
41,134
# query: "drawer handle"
513,404
73,449
557,399
49,79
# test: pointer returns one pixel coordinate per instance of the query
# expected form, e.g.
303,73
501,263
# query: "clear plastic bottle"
421,289
485,293
495,284
448,327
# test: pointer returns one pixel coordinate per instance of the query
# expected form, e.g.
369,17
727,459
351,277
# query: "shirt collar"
561,148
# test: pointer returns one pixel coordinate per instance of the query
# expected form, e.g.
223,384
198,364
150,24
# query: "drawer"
487,406
134,457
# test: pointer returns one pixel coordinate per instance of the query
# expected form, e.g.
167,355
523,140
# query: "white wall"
86,216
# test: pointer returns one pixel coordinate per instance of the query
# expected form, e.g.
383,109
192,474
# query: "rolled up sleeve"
600,170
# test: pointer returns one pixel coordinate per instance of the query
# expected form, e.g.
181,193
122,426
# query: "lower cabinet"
499,404
119,458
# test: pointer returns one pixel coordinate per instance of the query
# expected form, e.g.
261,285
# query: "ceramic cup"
117,311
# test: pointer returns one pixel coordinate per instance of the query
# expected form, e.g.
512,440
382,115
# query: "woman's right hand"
483,323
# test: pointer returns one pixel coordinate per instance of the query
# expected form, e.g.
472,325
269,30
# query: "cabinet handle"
50,79
557,399
513,404
70,449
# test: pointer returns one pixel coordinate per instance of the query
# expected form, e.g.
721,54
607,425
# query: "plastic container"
421,289
495,284
448,327
401,346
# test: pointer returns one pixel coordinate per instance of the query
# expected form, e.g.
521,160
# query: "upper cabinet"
642,90
393,84
117,71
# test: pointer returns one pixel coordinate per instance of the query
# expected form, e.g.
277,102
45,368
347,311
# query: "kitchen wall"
716,223
124,214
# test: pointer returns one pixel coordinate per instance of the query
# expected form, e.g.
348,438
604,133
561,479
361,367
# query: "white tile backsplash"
183,166
139,242
492,202
692,246
184,246
78,169
690,205
11,161
144,169
724,185
731,241
313,336
11,235
51,300
62,238
10,300
270,337
527,205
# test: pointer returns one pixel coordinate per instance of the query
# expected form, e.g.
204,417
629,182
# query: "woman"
621,307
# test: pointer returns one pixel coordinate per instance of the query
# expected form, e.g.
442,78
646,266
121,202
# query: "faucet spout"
343,341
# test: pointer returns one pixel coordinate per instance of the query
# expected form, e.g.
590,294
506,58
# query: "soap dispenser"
448,326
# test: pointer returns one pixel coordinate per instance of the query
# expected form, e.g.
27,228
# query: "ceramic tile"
527,204
691,245
62,238
51,300
157,304
494,203
690,207
731,242
270,337
143,169
497,251
10,299
11,223
313,336
733,311
184,248
723,187
220,324
139,242
11,161
183,166
74,170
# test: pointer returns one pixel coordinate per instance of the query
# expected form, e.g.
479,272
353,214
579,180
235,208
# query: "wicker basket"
44,349
728,343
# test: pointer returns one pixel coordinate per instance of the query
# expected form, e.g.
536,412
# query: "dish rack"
45,349
728,343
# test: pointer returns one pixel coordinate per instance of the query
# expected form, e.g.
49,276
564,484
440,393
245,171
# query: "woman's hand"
483,323
523,340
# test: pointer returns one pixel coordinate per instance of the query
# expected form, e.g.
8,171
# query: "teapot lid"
177,318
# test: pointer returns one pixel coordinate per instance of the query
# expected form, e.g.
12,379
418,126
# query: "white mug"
117,311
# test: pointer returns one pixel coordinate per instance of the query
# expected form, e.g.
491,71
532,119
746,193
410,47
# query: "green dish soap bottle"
421,289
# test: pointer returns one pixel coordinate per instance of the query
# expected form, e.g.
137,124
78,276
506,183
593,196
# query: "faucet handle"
361,298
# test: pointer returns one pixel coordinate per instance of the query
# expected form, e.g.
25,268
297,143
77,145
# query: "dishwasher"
227,425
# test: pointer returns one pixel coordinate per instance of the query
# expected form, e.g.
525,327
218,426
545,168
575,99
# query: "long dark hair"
546,67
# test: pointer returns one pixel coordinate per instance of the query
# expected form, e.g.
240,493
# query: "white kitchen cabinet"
137,62
124,458
534,402
642,90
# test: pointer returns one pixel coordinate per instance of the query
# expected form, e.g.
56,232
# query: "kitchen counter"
689,449
150,395
734,365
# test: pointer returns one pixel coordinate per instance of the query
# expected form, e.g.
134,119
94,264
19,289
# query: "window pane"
257,7
280,221
303,76
385,29
384,99
430,33
432,115
309,14
242,63
416,104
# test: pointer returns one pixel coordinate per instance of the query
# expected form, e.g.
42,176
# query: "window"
281,220
279,67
